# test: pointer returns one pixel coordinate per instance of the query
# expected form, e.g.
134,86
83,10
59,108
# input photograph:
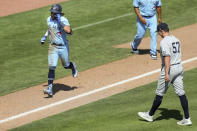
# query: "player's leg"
179,90
64,55
153,33
162,87
52,62
141,30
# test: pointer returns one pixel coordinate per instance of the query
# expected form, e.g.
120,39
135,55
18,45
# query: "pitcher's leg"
179,90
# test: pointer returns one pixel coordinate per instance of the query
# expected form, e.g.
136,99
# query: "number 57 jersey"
170,46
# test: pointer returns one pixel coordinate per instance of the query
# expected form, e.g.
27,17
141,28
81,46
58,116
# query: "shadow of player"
146,51
168,114
61,87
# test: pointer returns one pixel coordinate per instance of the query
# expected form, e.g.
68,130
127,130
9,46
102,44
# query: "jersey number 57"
176,47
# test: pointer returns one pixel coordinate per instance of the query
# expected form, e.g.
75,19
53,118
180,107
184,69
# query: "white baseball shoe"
48,91
146,116
185,122
153,57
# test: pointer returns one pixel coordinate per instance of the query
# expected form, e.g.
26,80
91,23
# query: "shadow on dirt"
61,87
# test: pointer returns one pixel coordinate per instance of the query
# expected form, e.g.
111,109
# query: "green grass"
23,61
119,112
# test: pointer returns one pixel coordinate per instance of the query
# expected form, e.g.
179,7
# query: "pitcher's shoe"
146,116
185,122
74,69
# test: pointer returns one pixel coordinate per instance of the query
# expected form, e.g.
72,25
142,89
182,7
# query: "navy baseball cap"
162,26
56,9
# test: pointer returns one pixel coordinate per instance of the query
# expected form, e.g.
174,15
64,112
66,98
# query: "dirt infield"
32,98
9,7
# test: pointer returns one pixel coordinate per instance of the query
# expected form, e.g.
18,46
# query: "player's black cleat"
74,69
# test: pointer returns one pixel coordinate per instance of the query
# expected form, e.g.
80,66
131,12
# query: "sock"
69,67
51,76
184,104
156,103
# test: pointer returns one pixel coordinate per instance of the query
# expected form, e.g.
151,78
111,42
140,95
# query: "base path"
18,103
9,7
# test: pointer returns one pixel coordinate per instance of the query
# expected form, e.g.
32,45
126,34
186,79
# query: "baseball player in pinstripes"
171,72
146,19
58,28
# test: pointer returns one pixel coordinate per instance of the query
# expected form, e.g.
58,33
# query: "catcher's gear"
43,40
57,9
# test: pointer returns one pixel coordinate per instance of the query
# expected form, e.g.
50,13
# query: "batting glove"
58,18
43,40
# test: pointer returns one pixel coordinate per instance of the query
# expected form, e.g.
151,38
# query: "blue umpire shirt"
147,7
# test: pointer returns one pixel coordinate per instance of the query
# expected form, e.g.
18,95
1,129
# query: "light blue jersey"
147,7
57,34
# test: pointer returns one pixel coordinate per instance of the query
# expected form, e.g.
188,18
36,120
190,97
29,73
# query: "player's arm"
158,8
43,39
137,11
68,29
159,14
167,68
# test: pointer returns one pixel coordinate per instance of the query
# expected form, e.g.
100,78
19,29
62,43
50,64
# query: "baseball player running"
171,72
58,28
146,19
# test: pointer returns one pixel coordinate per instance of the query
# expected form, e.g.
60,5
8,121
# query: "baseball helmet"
56,9
162,26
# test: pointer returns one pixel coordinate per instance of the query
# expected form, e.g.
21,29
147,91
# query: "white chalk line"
103,21
87,93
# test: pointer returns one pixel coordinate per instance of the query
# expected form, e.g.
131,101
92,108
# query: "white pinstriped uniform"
170,46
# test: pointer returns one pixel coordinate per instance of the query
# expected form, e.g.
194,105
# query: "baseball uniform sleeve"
158,3
135,3
165,49
64,22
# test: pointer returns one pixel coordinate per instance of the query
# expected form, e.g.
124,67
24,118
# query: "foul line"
103,21
86,94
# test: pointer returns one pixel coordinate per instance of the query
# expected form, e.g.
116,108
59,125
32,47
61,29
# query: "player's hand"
58,18
167,78
143,20
43,39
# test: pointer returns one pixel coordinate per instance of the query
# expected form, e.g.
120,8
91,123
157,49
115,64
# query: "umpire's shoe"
134,51
48,91
185,122
146,116
153,56
74,69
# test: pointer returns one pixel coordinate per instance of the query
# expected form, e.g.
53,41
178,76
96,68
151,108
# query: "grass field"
119,112
23,61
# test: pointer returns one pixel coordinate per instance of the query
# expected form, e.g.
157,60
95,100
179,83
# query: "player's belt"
147,16
175,64
57,44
